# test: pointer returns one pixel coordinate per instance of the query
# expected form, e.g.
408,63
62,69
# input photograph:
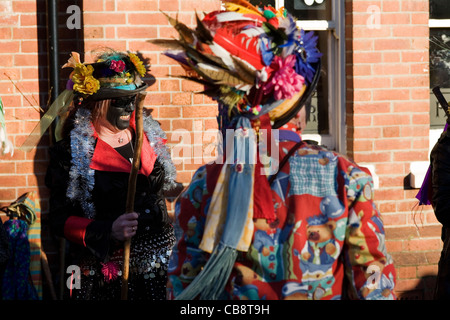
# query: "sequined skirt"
149,259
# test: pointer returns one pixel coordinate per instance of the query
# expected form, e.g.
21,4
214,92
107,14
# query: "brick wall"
20,87
387,103
388,126
119,24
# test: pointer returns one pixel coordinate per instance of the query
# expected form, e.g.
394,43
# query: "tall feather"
185,32
246,71
203,34
241,5
229,16
219,75
240,46
171,44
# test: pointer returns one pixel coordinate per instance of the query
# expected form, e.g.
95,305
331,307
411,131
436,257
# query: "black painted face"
119,111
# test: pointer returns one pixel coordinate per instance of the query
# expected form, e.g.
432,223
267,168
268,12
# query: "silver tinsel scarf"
82,179
157,136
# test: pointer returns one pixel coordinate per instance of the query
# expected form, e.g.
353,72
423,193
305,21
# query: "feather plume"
240,46
219,61
241,5
185,32
229,16
171,44
218,92
219,75
179,56
224,55
197,56
203,34
246,71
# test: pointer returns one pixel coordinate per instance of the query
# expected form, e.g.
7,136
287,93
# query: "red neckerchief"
106,158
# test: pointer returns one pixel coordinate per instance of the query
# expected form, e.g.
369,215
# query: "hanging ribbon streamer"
229,223
58,107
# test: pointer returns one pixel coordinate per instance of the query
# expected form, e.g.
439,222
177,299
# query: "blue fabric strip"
289,135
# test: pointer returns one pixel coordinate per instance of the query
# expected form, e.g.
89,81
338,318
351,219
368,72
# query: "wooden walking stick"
132,188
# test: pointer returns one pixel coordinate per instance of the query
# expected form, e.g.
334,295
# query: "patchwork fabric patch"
314,174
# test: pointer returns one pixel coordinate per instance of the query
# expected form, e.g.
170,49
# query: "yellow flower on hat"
137,63
83,80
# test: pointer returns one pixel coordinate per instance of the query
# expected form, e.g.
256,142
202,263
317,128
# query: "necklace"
120,139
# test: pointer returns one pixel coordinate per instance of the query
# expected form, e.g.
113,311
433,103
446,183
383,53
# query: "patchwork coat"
327,241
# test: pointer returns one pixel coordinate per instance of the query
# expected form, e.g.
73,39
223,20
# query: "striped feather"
246,71
171,44
219,75
185,32
240,46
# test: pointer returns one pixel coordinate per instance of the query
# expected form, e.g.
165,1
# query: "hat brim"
305,98
109,93
295,106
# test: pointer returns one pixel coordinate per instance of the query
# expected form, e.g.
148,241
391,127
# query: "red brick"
391,119
24,33
100,19
136,32
23,6
141,5
411,155
391,94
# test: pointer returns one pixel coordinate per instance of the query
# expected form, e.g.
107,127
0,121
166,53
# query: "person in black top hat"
88,176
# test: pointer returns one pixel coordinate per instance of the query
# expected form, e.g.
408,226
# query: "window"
327,119
439,24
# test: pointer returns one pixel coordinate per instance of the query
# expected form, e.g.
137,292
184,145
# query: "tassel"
238,226
210,282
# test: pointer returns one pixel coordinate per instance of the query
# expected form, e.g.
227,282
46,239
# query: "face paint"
119,112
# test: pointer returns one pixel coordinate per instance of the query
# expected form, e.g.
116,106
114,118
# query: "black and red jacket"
108,196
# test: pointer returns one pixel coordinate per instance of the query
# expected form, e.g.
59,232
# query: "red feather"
240,46
218,19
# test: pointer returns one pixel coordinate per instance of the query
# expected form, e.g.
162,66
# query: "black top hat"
114,74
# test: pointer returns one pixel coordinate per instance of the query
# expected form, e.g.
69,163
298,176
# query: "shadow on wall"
423,291
70,37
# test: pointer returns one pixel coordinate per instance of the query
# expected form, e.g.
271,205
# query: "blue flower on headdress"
307,54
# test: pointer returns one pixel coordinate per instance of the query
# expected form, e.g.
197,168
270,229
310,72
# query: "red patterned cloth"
327,231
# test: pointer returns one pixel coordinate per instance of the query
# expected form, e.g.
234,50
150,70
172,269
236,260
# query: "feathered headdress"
253,61
261,69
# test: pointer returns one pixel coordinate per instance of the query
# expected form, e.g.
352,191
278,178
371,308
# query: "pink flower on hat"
117,66
284,82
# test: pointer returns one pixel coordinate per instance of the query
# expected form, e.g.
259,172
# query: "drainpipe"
53,61
53,74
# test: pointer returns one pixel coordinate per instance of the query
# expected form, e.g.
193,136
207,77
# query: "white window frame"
336,138
435,133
